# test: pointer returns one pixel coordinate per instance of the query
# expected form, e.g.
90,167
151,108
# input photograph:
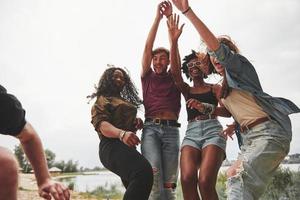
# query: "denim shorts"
201,133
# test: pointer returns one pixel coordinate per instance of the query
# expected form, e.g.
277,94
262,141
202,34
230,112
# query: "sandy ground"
28,189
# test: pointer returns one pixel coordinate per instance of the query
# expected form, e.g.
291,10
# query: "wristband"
169,16
208,108
121,135
187,10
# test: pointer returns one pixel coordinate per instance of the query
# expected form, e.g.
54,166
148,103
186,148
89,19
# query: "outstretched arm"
33,149
208,37
174,34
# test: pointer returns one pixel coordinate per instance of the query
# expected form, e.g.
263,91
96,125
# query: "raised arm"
208,37
174,34
147,54
33,149
164,8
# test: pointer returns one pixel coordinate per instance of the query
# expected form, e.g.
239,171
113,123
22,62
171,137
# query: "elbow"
104,128
27,134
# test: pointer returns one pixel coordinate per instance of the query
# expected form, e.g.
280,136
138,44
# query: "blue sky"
53,52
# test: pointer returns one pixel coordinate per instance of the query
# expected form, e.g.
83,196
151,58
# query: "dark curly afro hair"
190,57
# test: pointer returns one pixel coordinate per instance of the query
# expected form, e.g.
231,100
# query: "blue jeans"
264,147
160,146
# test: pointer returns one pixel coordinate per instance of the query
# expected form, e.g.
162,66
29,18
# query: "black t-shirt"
12,115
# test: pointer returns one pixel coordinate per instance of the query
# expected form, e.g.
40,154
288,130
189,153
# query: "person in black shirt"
13,122
203,147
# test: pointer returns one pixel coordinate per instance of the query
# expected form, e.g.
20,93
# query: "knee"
187,178
206,183
147,173
231,171
144,175
170,186
235,169
8,167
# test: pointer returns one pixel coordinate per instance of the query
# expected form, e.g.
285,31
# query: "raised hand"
174,30
159,13
131,139
53,189
181,5
166,8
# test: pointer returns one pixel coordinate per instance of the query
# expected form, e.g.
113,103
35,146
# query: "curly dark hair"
187,59
106,87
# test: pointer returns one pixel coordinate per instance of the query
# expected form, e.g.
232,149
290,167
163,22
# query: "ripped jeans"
264,147
160,146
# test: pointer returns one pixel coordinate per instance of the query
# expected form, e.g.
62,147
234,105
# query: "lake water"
90,181
107,179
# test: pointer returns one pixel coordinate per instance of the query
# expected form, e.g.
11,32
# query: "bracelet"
121,135
187,10
208,109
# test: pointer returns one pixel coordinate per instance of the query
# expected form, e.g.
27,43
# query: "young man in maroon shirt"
160,138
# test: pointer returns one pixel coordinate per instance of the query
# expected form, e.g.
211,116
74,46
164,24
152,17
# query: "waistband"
256,122
202,117
166,122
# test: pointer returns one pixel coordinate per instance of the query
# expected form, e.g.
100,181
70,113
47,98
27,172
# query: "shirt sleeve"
12,115
227,58
100,112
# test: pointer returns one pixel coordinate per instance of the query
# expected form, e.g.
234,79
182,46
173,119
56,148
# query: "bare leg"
8,175
212,158
189,164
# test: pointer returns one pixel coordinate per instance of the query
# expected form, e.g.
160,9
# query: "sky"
52,53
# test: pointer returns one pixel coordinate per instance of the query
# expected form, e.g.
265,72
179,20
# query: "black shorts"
12,115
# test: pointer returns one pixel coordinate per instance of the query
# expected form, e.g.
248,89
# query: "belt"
256,122
167,122
202,117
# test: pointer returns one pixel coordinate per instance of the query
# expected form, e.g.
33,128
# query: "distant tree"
19,153
60,164
50,157
69,166
81,169
23,162
96,168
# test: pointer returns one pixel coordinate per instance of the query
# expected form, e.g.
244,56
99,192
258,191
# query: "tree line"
65,166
